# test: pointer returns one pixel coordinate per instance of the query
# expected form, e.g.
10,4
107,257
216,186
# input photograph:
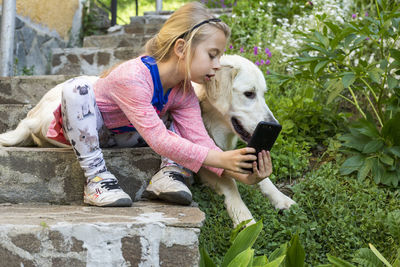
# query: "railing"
7,37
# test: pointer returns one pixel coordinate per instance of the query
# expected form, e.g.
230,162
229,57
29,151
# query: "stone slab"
27,89
89,60
146,234
11,115
121,40
53,175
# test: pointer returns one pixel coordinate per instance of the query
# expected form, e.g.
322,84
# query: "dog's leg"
276,197
234,204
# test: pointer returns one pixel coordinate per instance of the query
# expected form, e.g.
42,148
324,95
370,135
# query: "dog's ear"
219,90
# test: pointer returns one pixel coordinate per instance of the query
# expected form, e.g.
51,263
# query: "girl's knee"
77,88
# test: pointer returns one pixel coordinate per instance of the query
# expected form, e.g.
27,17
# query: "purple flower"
257,63
269,54
309,3
366,14
231,47
224,49
261,61
241,50
266,50
354,16
255,50
367,38
267,62
268,72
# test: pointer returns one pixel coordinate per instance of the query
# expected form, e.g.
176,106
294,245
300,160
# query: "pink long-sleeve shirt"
124,97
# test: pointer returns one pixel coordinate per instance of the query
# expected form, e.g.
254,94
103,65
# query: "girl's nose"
216,64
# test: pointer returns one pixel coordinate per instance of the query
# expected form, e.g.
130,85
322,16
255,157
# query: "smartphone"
264,137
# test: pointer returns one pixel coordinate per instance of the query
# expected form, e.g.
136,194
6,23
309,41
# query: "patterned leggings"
83,126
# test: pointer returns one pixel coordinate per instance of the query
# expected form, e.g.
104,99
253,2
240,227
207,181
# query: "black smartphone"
264,137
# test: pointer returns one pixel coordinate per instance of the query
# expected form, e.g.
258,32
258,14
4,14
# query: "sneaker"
105,191
169,184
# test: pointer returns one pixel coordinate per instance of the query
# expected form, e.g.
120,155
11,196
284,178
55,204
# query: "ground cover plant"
332,70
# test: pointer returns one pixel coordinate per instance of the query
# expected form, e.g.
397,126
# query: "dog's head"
237,92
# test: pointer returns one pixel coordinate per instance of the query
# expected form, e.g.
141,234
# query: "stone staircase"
43,221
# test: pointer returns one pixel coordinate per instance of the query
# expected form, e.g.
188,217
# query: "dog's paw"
282,202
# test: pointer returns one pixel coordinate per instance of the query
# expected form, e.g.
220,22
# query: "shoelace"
110,185
176,176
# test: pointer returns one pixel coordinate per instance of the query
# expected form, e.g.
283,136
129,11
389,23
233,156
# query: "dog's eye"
250,94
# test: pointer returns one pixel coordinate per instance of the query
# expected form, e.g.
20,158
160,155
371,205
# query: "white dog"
232,105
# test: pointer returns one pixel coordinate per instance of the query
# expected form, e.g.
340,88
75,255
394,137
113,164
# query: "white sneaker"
105,191
169,184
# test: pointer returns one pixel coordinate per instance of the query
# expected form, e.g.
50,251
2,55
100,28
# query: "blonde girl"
149,100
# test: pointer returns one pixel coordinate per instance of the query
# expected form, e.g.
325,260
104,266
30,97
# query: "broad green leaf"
260,261
320,65
366,258
324,40
295,254
392,82
352,164
348,79
356,142
384,158
373,146
276,263
244,240
277,253
377,171
243,259
349,38
205,260
364,170
395,53
379,255
335,87
375,74
337,262
237,230
395,151
391,129
359,40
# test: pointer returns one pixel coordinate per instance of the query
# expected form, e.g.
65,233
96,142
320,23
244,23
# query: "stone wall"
38,33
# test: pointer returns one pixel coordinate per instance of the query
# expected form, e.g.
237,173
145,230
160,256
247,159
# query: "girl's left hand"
264,170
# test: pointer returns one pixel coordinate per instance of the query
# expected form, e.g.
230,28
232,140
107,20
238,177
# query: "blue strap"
159,99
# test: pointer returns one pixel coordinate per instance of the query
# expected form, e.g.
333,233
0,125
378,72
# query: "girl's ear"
179,48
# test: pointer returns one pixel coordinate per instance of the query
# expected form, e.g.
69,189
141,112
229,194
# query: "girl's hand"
264,170
239,159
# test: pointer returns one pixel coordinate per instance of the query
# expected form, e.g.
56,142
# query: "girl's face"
206,57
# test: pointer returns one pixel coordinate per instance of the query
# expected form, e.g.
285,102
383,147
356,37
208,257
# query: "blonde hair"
180,25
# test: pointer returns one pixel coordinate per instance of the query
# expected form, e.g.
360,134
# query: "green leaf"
324,40
320,65
337,262
244,240
373,146
386,159
395,151
359,40
349,38
260,261
375,74
392,82
366,258
364,170
237,230
295,254
205,260
391,129
379,255
276,263
352,164
395,53
277,253
348,79
377,171
243,259
336,87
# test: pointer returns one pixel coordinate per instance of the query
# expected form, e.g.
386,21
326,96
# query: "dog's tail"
21,135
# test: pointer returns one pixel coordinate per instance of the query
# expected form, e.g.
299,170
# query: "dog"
232,104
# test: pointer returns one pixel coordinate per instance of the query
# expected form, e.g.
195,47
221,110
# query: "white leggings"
84,127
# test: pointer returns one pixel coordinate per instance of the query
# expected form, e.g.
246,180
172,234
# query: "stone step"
89,60
53,175
146,234
27,89
135,41
11,115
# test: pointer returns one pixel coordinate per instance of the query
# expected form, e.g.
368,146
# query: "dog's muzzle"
245,135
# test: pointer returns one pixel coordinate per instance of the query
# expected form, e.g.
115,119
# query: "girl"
150,100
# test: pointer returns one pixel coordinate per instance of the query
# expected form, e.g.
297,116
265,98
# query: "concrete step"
133,41
53,175
89,60
147,234
27,89
11,115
